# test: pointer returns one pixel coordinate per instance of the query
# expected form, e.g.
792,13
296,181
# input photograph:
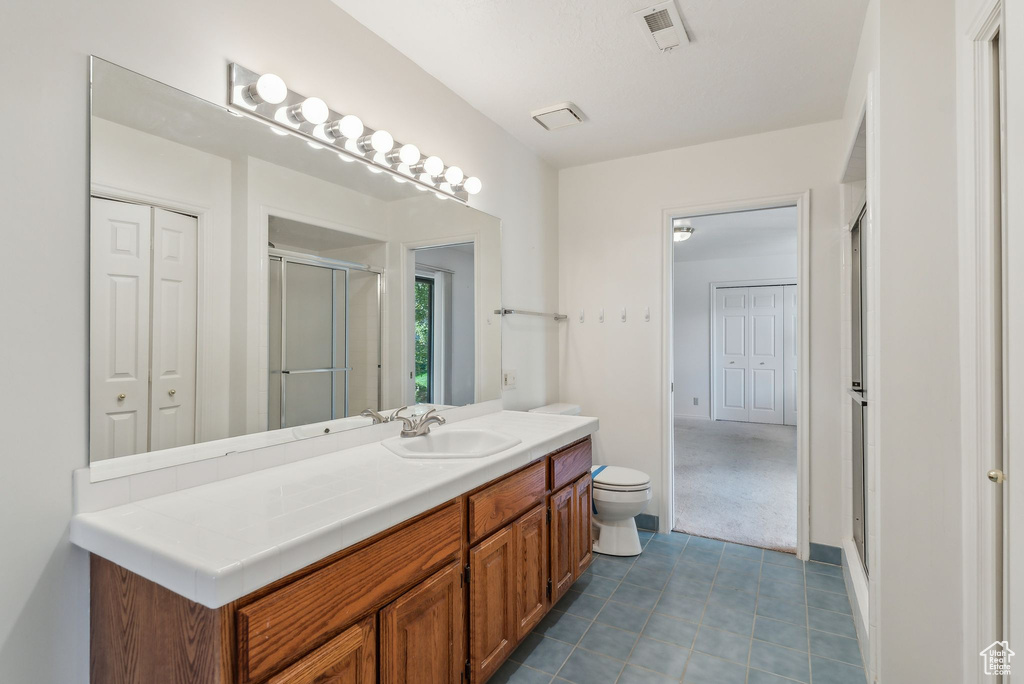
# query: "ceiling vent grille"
559,116
663,26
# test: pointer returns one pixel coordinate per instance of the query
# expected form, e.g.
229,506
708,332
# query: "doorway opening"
735,357
444,324
324,304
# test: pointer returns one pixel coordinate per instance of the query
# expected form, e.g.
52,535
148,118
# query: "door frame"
802,202
205,348
983,505
769,282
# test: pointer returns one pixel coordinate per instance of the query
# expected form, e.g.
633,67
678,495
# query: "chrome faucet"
377,418
418,425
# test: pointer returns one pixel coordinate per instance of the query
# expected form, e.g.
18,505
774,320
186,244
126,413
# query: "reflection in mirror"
247,289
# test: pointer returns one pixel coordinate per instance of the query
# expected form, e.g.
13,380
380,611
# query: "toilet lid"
616,477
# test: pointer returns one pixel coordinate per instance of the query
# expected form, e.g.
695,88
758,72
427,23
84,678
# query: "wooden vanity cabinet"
443,598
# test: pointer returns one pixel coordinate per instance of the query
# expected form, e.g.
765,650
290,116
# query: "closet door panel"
173,399
119,300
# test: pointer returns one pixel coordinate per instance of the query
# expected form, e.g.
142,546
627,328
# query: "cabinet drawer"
279,628
569,464
504,501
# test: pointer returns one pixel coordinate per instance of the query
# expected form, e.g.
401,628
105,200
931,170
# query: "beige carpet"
736,482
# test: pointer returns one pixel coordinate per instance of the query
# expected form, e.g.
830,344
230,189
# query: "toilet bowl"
619,495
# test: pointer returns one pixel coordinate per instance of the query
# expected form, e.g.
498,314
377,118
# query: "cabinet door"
563,564
349,658
531,552
492,626
582,530
421,637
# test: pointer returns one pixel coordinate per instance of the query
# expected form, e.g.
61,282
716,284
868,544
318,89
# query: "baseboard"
645,521
857,591
823,553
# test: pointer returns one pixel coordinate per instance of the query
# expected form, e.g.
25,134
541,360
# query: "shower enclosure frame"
336,266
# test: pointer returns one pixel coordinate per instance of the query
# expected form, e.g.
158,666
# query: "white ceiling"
765,232
751,66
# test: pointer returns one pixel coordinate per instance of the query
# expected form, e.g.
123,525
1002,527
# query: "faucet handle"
394,414
370,413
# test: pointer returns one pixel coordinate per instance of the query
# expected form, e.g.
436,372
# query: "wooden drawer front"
277,629
569,464
349,658
503,502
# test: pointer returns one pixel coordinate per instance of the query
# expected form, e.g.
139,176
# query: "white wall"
44,190
611,242
919,421
691,319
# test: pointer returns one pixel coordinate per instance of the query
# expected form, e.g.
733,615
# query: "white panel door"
731,354
789,364
119,299
173,399
764,326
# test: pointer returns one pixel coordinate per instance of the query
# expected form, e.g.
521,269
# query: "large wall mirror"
245,284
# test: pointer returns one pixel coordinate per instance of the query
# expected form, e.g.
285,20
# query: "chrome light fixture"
681,230
265,97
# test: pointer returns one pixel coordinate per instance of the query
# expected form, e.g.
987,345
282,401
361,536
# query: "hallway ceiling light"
681,230
266,98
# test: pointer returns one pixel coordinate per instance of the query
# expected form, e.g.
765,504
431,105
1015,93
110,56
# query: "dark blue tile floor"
697,611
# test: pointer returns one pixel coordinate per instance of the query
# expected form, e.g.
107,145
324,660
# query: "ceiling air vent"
663,26
559,116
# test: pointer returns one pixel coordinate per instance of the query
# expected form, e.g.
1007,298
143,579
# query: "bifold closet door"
173,384
119,300
749,359
765,326
731,356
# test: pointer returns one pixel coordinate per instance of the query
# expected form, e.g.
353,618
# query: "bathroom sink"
451,443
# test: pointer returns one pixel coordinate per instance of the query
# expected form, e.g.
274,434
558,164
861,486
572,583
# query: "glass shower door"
308,343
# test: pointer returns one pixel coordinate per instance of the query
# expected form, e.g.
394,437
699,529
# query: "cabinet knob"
121,397
997,476
171,392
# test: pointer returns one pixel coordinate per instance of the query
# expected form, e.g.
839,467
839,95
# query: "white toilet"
620,494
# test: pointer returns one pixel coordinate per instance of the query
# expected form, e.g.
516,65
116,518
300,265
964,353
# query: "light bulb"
409,154
353,147
404,170
445,187
425,178
454,175
381,141
315,146
349,126
311,110
433,165
472,185
268,88
440,196
378,159
345,158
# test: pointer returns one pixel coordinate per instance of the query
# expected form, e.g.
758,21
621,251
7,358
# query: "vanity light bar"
265,97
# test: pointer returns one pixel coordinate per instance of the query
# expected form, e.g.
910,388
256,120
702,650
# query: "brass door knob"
171,392
121,397
996,476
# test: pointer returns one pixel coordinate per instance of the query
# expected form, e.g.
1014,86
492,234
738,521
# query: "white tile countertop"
220,541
